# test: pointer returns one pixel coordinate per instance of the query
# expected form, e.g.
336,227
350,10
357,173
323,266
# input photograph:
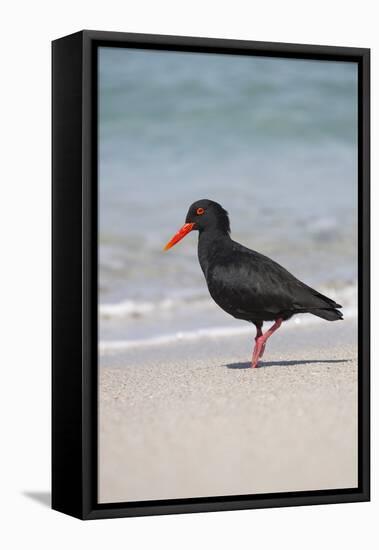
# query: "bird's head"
202,215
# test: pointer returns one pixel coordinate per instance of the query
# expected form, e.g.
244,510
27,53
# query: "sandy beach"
191,419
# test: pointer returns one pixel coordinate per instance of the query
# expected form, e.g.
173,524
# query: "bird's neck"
211,243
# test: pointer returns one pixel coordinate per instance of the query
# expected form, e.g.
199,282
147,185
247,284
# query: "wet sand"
191,419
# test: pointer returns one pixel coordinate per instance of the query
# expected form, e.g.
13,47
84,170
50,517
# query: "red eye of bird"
200,211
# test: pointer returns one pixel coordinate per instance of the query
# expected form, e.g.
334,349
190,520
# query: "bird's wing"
247,281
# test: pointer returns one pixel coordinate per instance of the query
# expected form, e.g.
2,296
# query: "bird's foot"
259,348
261,340
257,353
255,358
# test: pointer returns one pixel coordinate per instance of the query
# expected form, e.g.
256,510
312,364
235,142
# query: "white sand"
191,419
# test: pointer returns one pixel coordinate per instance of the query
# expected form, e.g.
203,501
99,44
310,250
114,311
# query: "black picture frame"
74,272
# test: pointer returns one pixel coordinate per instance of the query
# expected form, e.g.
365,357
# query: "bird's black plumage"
245,283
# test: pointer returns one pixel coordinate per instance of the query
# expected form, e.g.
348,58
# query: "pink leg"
260,342
257,347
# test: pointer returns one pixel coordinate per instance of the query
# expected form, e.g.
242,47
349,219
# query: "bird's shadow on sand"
265,364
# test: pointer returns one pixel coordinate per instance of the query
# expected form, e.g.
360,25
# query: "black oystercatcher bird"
246,284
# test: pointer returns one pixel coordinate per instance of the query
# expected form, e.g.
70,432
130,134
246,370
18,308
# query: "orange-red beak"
183,231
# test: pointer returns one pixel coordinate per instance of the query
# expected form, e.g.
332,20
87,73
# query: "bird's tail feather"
328,314
324,299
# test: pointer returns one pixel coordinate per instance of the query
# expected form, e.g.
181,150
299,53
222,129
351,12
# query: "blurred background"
273,140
